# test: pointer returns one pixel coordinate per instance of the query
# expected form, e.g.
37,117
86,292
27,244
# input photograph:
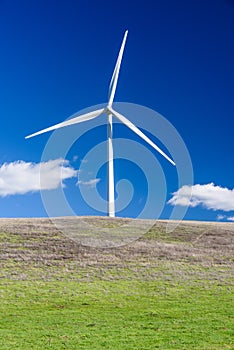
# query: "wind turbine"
110,112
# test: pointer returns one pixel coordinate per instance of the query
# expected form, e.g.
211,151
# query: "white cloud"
210,196
21,177
225,217
221,217
89,183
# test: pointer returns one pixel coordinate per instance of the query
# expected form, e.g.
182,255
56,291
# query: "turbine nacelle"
107,110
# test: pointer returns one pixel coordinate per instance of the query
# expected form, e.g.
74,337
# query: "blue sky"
57,58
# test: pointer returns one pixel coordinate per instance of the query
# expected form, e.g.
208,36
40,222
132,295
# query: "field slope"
163,291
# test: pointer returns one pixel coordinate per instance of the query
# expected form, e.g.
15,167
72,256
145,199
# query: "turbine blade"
131,126
114,79
76,120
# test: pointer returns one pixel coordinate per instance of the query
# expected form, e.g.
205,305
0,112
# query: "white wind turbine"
109,112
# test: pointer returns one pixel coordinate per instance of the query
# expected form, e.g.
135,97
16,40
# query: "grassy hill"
163,291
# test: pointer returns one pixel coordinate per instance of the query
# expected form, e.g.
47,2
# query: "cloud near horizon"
221,217
90,183
209,196
21,177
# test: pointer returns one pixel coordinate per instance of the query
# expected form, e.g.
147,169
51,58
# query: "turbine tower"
110,112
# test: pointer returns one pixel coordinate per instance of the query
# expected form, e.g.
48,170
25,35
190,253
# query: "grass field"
164,291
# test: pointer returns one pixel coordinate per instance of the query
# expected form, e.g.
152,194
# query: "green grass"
115,315
166,291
